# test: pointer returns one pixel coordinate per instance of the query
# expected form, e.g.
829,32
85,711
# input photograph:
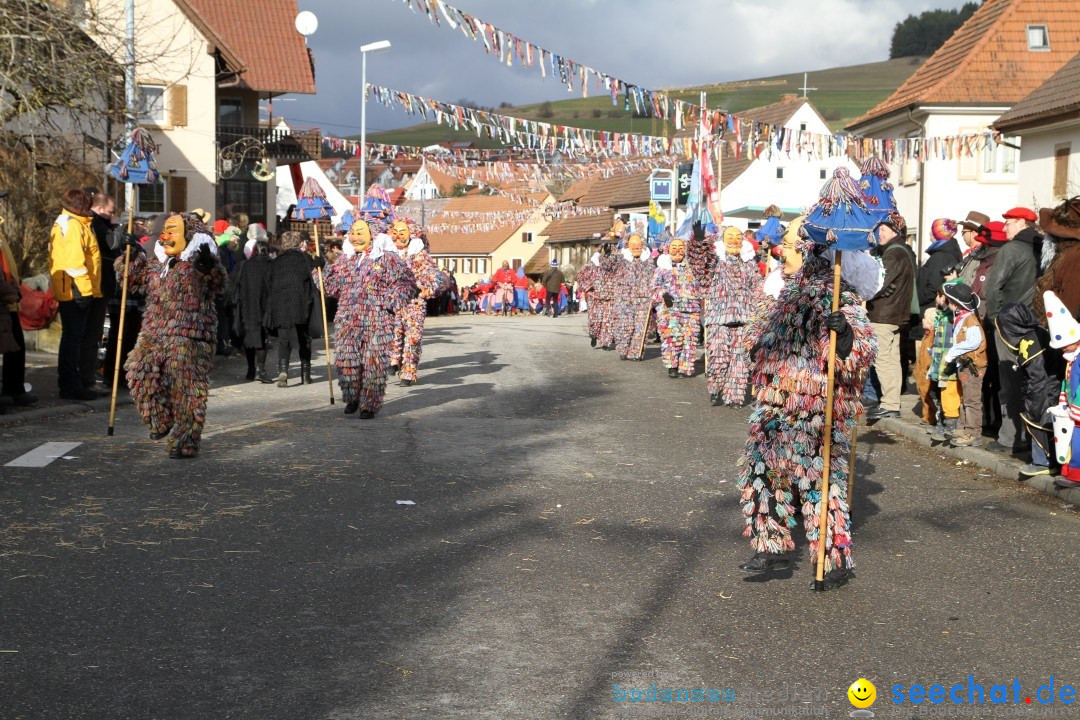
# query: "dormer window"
1038,37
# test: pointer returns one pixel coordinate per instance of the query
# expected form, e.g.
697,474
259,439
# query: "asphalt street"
575,526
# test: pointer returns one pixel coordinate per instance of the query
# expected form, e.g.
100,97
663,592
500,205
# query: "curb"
55,411
1001,465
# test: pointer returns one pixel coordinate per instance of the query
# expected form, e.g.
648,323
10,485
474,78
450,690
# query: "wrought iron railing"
284,146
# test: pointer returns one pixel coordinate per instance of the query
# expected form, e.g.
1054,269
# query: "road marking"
43,455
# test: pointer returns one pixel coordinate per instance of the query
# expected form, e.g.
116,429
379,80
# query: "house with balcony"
203,68
1004,51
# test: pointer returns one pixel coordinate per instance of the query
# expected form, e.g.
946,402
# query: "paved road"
575,518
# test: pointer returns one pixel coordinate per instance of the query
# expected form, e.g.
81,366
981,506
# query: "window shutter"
1061,170
177,194
178,105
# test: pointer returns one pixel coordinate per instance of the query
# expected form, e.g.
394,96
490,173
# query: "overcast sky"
652,43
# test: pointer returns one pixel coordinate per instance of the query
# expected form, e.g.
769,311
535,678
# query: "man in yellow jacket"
75,268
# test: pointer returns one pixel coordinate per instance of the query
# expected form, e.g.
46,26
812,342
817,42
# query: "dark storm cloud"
652,43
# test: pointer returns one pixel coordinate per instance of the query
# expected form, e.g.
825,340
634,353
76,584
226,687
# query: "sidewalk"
909,426
41,374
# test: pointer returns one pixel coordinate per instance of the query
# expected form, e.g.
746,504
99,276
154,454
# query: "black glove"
668,300
699,231
845,336
204,260
132,241
319,262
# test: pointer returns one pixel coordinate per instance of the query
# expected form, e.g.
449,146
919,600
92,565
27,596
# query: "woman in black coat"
251,289
942,255
292,297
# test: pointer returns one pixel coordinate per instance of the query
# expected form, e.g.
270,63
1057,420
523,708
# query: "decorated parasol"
877,191
311,204
135,166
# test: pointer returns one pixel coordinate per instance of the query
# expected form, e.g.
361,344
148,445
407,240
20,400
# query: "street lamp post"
380,46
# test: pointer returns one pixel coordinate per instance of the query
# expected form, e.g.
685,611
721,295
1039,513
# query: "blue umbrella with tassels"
135,166
311,204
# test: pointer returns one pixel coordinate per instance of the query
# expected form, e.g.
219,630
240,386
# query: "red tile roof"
1056,99
618,191
259,39
987,60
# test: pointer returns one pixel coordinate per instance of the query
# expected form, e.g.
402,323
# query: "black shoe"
394,369
765,562
305,372
250,374
82,395
879,414
407,383
283,374
352,407
714,399
622,357
835,578
592,342
366,414
177,454
24,399
995,446
673,373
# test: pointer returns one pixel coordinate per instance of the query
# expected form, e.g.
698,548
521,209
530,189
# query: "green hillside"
842,95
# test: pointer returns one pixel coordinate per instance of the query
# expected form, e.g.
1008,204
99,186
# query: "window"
1061,169
481,265
151,104
230,112
151,198
802,127
999,160
526,237
468,265
515,263
779,173
1038,37
823,174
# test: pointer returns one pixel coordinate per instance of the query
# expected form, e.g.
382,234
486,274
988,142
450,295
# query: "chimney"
789,97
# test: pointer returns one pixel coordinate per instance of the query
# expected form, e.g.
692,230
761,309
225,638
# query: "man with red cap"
1012,280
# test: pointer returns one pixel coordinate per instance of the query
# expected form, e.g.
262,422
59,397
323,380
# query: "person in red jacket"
504,287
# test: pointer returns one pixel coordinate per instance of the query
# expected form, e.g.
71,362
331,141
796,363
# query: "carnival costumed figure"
677,296
731,285
409,319
791,259
168,371
789,342
371,284
633,299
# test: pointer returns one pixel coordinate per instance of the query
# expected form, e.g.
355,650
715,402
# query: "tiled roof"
540,262
987,60
1060,95
582,227
618,191
580,187
469,242
260,39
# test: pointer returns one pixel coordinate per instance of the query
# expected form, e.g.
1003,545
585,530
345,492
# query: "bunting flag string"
479,222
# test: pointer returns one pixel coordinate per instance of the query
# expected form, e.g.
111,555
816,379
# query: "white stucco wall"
952,187
759,186
1036,187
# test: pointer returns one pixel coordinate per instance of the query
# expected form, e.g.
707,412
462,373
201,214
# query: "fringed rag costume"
168,371
633,303
678,324
370,287
598,281
789,343
732,290
409,319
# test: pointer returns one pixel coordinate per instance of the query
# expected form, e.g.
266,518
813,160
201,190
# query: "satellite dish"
306,23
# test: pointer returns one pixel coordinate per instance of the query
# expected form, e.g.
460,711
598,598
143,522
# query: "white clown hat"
1064,330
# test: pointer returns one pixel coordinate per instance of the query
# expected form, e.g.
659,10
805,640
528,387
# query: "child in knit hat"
944,387
967,359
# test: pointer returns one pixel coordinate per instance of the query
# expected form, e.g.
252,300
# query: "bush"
597,113
545,110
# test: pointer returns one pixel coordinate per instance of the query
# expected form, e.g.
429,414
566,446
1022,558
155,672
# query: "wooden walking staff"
135,166
311,204
823,531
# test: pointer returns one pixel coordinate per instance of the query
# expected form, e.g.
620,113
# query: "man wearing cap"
890,311
1012,280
